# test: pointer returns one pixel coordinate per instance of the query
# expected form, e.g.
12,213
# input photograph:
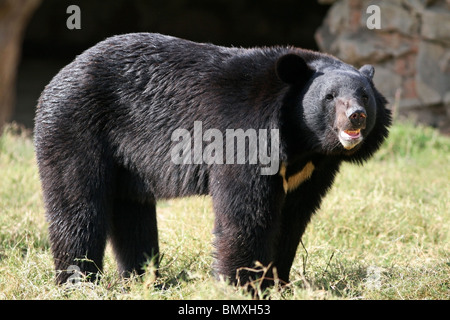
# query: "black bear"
142,117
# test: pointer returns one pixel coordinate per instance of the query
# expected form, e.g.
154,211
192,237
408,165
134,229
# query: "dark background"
49,45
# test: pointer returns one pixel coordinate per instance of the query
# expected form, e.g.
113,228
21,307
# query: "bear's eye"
365,97
329,97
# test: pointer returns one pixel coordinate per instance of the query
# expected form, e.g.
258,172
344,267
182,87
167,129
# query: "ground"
381,233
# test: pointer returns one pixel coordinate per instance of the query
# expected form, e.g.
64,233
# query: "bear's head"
337,104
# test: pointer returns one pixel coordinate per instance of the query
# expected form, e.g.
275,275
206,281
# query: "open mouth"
351,134
350,138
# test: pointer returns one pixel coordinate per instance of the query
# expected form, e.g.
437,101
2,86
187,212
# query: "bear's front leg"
298,207
247,209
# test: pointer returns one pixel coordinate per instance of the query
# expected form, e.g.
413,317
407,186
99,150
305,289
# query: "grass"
381,233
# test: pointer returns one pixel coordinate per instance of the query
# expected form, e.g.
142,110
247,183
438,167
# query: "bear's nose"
357,117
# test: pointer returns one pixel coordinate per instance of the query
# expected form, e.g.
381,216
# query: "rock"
349,49
398,18
362,47
433,72
436,24
387,80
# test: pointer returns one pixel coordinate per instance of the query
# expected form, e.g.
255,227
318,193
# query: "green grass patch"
381,233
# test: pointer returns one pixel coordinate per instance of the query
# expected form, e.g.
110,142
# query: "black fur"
103,141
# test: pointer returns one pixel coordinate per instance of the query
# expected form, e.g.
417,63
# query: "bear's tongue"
352,133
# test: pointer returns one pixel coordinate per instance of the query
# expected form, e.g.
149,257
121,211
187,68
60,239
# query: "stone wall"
410,51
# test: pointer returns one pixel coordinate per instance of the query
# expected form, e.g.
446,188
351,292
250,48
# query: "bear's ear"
367,70
292,68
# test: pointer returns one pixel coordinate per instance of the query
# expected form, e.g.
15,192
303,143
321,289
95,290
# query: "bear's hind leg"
78,245
77,201
134,235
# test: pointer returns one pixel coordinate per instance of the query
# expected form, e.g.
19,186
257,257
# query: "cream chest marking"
292,183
